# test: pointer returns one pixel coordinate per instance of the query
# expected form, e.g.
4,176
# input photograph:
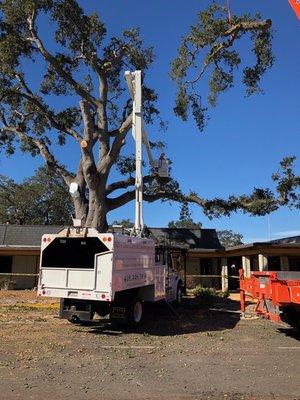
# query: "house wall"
5,268
190,265
199,265
192,272
228,263
24,265
274,259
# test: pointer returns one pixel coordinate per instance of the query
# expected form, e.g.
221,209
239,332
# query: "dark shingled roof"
24,235
30,235
293,241
288,240
2,233
191,238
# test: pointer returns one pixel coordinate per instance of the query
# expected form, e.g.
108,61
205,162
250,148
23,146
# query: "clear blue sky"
245,138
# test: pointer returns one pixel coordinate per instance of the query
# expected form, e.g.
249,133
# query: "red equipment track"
277,294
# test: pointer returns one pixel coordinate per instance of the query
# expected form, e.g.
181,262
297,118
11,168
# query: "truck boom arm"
160,167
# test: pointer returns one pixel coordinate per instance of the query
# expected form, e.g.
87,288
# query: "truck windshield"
72,253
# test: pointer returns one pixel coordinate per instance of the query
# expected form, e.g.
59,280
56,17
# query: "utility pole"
269,226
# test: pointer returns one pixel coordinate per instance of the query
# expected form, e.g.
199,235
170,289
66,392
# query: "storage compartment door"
104,263
82,279
54,278
65,278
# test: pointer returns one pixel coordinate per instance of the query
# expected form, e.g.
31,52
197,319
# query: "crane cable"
229,11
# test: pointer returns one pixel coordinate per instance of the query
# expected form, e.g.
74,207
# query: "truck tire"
101,308
179,294
291,315
136,312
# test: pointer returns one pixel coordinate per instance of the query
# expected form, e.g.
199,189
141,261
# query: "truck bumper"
73,313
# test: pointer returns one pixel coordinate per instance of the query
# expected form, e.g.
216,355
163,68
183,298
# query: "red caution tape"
295,4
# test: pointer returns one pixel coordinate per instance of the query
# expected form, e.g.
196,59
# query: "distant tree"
229,238
8,192
42,199
126,223
185,219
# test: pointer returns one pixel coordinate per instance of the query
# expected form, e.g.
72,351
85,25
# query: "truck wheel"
291,316
179,295
136,312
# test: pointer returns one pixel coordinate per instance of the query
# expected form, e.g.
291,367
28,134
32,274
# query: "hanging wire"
229,11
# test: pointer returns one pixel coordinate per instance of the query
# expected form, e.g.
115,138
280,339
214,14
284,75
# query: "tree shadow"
290,332
190,317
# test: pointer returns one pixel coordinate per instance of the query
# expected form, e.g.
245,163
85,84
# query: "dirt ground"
199,354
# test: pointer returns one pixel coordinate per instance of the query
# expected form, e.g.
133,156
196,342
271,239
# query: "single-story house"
197,255
20,254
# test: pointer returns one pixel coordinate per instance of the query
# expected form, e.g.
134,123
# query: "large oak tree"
79,62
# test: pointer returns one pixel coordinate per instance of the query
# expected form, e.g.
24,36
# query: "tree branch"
88,121
248,26
123,128
107,160
261,202
30,96
44,151
214,51
233,34
120,135
102,114
56,65
150,198
88,161
126,183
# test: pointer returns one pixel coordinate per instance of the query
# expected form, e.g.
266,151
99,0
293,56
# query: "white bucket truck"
106,273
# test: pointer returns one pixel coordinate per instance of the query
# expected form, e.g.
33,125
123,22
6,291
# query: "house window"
5,264
205,266
274,264
294,263
254,263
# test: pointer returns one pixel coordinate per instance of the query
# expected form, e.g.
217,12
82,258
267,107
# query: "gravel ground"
201,354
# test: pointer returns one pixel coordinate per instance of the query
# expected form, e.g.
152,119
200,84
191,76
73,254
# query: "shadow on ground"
290,332
190,317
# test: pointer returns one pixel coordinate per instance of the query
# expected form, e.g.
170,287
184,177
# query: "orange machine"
277,294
